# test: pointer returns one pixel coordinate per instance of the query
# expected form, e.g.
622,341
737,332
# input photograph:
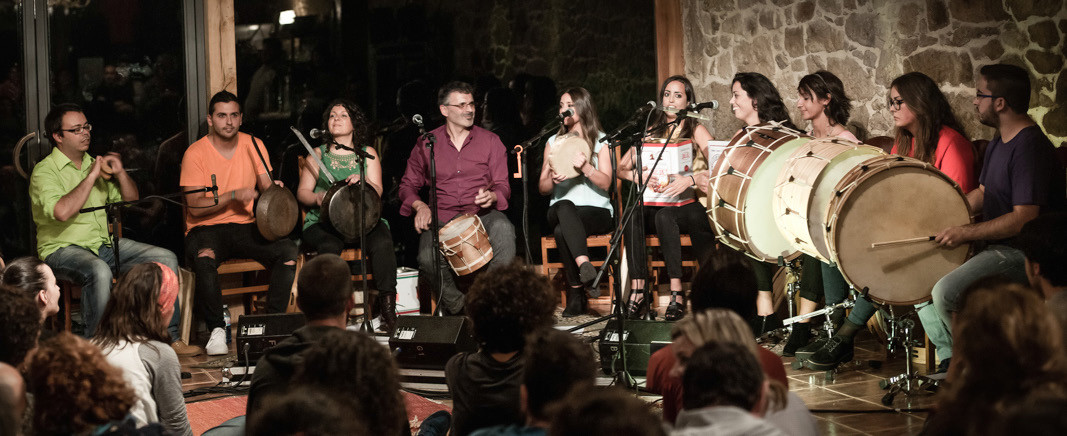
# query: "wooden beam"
221,46
670,58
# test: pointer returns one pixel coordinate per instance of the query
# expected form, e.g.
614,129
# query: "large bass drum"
276,213
342,206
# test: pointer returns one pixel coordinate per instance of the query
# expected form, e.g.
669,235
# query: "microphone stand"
624,376
365,326
434,225
523,148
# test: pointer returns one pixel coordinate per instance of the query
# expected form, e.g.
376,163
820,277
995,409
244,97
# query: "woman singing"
669,222
347,128
580,205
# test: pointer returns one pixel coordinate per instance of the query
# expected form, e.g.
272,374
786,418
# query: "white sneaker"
217,344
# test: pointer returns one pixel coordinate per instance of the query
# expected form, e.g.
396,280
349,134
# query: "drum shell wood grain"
465,244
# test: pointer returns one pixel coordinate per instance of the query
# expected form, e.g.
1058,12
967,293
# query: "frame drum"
276,213
892,198
805,186
741,189
341,207
561,154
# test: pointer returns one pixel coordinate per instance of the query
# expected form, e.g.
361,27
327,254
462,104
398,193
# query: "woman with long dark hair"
34,278
669,222
346,128
580,205
133,337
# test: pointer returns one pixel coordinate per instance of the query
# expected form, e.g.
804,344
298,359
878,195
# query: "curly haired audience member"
604,412
20,323
84,394
305,412
724,392
357,369
503,307
1008,348
556,363
133,336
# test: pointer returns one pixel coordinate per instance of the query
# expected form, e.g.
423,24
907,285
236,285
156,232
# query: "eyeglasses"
78,130
463,106
980,95
894,103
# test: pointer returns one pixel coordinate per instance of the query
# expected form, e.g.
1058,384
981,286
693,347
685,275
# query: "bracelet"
693,179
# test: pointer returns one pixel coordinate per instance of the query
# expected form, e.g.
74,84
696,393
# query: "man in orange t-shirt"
216,232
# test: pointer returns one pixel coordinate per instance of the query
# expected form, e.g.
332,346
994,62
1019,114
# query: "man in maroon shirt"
471,165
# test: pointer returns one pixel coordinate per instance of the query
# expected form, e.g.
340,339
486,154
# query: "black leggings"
324,239
669,224
570,225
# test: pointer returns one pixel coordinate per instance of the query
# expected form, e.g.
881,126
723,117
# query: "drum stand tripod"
791,289
899,332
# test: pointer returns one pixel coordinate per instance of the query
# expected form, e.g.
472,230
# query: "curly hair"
824,84
20,324
360,131
353,365
604,411
1002,328
767,100
555,363
132,313
508,303
305,411
81,390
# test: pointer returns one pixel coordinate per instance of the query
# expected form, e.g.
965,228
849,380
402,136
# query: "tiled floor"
841,405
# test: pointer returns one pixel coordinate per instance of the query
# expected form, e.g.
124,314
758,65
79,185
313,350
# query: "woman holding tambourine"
346,126
577,173
669,222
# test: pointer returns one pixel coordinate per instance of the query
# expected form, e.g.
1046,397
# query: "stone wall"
869,43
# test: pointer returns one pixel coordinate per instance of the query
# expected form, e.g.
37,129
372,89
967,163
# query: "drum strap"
255,146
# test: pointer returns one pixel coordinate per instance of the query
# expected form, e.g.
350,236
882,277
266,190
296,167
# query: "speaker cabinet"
641,339
427,342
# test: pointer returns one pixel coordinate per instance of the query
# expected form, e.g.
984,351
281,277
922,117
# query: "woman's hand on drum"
353,179
320,197
556,178
579,162
677,186
702,179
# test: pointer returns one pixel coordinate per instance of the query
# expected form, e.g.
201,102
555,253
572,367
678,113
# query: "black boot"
575,300
676,309
799,337
387,308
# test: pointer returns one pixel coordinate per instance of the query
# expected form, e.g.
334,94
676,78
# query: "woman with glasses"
580,205
926,129
670,221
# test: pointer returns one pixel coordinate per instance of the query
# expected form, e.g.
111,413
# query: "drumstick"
903,241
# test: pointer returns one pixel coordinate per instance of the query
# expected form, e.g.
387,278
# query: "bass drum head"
345,207
276,213
893,198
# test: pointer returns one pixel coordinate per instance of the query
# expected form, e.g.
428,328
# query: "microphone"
316,133
690,113
417,119
710,104
214,189
565,114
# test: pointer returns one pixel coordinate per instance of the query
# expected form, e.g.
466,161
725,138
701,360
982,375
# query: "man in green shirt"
75,245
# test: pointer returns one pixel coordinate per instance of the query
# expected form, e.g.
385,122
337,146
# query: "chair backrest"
883,142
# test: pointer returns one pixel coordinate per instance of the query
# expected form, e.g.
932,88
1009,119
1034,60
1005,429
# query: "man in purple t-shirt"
1021,178
472,178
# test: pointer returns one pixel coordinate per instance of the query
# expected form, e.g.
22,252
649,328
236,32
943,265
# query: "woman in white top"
580,205
133,336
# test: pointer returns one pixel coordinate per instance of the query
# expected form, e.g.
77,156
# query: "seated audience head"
324,288
1038,415
75,389
508,304
20,324
726,281
822,93
34,278
919,111
140,307
555,363
1042,241
723,374
354,366
712,325
755,100
306,411
604,412
1001,89
1007,347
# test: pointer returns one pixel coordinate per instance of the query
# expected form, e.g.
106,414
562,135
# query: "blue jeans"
995,260
93,274
501,237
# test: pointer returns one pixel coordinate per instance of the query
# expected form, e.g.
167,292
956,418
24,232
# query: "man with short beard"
1021,178
216,230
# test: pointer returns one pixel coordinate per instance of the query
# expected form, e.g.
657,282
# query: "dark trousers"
571,225
324,239
230,241
668,222
501,238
